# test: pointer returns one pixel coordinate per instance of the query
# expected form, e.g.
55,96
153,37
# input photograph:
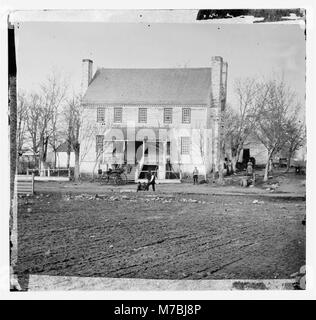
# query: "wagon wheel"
112,179
105,179
123,178
120,178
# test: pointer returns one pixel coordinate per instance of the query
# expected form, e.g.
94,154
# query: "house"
163,120
62,156
255,149
59,159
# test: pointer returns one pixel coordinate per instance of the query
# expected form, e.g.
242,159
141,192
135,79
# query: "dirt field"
145,235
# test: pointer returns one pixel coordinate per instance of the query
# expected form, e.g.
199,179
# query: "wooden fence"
24,184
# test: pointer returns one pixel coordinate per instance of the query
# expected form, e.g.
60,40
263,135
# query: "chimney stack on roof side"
219,72
87,66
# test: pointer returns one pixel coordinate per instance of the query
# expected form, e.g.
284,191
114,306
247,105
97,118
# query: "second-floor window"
118,115
167,115
142,115
186,115
100,114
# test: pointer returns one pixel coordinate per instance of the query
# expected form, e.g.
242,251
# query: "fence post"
48,172
69,172
27,171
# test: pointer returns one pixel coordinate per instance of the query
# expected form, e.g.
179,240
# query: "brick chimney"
218,101
87,65
217,69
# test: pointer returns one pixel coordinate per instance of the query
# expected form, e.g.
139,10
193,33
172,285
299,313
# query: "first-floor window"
100,114
185,145
99,144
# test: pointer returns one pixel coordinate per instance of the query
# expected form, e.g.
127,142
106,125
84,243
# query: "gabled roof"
150,86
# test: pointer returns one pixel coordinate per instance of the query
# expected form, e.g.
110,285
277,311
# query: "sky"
251,50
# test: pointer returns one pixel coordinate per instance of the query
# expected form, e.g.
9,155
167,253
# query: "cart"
115,176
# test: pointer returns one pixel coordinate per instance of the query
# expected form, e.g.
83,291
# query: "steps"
131,176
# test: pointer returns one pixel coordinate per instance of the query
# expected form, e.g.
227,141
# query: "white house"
166,120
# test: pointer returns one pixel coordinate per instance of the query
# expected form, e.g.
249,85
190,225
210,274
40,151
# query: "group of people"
228,166
151,181
151,177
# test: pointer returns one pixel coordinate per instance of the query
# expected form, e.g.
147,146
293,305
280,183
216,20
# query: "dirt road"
143,235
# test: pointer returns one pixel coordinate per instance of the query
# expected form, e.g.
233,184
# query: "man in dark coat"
151,180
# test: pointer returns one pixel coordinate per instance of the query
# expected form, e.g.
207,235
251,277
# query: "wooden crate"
24,184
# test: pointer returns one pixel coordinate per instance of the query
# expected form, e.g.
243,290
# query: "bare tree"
239,122
53,93
73,114
295,137
33,115
21,121
202,150
42,116
57,135
274,100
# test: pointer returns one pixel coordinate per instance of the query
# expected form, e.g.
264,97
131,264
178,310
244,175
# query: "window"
100,114
185,145
167,115
99,144
118,115
186,115
142,115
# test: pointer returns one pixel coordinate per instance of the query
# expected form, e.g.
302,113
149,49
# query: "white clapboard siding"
24,184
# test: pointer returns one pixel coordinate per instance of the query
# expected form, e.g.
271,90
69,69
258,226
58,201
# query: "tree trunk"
221,173
234,163
68,154
266,171
77,166
288,163
13,228
235,157
55,158
13,128
267,168
68,160
42,168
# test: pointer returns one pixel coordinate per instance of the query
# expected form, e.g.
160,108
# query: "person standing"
249,168
151,181
195,175
230,167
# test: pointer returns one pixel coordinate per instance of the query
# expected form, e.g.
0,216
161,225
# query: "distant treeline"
267,14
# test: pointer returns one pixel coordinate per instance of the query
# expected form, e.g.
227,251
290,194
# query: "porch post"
162,165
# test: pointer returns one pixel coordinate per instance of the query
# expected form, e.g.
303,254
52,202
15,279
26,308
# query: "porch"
138,158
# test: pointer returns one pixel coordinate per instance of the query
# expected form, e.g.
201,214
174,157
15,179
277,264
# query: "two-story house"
166,120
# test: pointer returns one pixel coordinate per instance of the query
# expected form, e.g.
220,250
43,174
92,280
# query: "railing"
173,175
139,168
